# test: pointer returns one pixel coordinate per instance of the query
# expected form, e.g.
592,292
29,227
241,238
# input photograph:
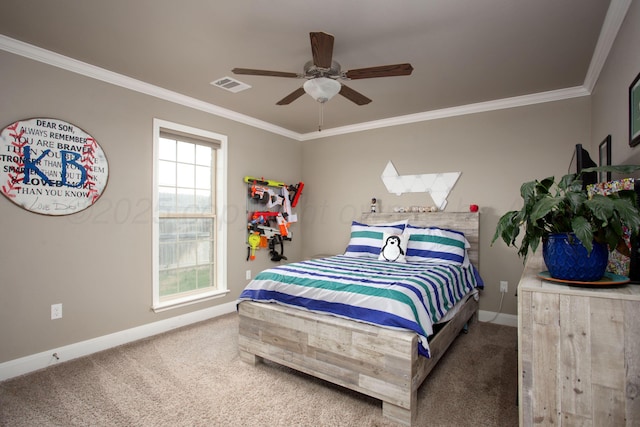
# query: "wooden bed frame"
379,362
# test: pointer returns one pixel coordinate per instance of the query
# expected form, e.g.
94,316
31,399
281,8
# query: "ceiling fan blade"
354,96
381,71
321,49
291,97
253,72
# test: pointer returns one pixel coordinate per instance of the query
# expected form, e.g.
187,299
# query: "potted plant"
579,228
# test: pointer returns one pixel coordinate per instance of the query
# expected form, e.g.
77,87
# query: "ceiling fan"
323,73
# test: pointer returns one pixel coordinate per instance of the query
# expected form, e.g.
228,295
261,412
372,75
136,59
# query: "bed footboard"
381,363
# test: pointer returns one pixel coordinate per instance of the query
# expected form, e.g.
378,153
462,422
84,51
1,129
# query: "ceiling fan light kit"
323,72
322,89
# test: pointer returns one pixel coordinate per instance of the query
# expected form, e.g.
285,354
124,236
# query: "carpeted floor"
194,377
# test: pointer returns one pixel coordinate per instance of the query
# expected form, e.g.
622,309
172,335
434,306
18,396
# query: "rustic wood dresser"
578,352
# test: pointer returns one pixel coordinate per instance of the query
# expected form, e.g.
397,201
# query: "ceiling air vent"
232,85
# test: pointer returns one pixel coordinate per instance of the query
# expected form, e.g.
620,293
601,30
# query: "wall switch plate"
504,286
56,311
247,275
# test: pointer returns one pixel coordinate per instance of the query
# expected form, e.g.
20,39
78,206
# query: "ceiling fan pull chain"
321,120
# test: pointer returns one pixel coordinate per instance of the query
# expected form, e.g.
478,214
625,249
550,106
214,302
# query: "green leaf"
602,208
583,231
628,214
528,191
619,169
543,187
507,228
566,181
575,200
543,207
564,206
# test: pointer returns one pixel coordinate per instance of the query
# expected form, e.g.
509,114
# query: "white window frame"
220,260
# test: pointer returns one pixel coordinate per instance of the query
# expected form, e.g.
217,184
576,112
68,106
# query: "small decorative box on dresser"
578,352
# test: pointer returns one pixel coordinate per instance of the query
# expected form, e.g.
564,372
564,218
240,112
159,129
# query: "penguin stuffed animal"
392,250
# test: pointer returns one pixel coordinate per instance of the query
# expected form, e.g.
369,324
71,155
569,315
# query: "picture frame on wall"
634,112
605,158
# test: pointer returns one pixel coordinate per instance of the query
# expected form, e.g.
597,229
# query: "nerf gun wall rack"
269,215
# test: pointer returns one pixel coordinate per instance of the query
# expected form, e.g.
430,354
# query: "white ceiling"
463,51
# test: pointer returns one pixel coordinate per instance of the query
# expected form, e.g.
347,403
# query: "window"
188,235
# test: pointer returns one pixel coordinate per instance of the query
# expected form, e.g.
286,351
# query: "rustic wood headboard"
466,222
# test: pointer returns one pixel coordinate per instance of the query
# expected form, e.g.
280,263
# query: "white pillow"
436,244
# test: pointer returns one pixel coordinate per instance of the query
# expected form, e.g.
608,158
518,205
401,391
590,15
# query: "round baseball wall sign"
51,167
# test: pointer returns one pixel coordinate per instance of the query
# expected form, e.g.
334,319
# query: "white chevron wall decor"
438,185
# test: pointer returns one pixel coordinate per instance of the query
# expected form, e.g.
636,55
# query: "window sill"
188,300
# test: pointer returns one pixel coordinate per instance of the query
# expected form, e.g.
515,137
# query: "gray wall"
495,151
98,262
610,97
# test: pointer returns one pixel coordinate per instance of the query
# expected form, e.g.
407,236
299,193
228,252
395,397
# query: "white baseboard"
500,319
34,362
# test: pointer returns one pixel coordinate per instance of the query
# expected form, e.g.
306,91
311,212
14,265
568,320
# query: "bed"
379,360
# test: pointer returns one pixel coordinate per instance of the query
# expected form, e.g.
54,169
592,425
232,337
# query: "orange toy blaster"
265,217
265,195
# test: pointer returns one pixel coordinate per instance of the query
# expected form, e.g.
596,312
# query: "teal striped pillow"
436,244
366,240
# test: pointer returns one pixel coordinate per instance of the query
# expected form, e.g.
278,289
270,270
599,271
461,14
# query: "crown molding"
608,33
612,23
610,28
54,59
480,107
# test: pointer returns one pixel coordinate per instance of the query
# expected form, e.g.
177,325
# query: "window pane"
168,230
205,276
187,228
204,253
203,177
186,152
187,253
186,170
190,174
166,173
168,282
168,256
186,175
204,228
186,200
188,279
167,199
167,149
203,201
203,155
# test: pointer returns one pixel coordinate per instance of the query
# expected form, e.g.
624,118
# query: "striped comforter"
412,296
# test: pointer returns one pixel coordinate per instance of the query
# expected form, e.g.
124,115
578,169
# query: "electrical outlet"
56,311
504,286
247,275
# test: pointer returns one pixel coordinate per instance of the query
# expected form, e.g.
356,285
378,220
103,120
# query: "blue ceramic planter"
567,259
